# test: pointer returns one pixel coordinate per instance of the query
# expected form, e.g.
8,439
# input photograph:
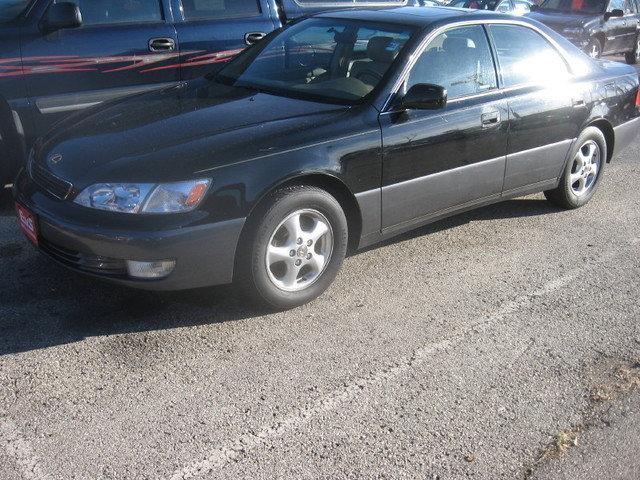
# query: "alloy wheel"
299,250
585,168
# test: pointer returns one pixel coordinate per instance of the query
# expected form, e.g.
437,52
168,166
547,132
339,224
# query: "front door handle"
253,37
162,45
490,118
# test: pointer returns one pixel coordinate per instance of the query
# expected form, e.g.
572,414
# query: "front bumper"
204,252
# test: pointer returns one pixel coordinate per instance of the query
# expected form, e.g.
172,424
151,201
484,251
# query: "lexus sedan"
332,134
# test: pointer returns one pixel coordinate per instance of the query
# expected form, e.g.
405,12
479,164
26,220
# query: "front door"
113,53
619,31
437,161
212,32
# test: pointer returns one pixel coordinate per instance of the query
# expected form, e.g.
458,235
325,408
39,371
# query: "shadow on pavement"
44,305
518,208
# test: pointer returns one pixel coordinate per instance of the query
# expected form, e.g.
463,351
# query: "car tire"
633,57
583,171
284,259
594,48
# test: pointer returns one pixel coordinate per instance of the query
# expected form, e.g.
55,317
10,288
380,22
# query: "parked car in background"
58,57
513,7
599,27
337,132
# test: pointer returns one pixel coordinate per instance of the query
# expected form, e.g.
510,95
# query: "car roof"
414,16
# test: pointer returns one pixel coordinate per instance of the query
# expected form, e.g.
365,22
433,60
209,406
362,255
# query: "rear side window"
458,60
214,9
110,12
525,56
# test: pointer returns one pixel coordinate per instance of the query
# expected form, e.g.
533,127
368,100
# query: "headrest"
383,49
457,44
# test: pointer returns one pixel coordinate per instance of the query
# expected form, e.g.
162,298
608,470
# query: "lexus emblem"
55,159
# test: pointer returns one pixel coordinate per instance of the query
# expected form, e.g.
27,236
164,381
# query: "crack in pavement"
250,440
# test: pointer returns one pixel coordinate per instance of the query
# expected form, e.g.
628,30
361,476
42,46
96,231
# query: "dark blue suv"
58,57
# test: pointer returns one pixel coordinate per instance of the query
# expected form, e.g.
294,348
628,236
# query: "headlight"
573,31
144,197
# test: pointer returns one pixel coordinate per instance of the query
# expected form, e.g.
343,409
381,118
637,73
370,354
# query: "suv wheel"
583,172
293,250
633,57
594,48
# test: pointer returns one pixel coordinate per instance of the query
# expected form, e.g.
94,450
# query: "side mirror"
62,15
616,12
424,96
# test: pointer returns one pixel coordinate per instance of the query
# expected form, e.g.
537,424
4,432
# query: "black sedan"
334,133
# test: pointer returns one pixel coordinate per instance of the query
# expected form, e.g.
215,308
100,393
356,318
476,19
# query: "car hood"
559,21
174,133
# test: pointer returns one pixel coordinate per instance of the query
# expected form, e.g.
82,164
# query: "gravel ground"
468,348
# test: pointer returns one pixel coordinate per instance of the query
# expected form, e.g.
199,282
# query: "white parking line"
224,454
19,450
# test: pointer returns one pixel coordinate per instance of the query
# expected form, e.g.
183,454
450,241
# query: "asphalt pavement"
501,343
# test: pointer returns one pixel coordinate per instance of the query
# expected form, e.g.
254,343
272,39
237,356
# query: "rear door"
437,161
113,53
211,32
546,107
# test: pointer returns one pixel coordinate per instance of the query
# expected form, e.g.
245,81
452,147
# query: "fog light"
150,270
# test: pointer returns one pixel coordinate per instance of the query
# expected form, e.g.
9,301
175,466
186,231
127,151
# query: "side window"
504,6
522,8
109,12
615,5
629,7
214,9
525,56
458,60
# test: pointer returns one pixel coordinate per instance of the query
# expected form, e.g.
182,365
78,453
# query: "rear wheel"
594,48
633,57
583,172
293,248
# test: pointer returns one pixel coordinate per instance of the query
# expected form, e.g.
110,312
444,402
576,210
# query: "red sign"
28,223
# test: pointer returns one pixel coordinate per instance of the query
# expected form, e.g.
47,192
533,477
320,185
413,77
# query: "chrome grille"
46,180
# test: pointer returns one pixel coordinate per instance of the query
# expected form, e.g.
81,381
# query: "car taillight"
638,98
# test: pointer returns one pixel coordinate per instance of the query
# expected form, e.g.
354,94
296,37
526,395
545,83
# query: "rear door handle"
490,118
253,37
162,45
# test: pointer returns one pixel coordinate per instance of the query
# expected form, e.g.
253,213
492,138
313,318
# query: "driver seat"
382,51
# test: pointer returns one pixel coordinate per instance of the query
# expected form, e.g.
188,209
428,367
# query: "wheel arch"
606,128
11,139
329,183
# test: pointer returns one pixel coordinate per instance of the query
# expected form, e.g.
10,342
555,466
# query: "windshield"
339,61
575,6
10,9
474,4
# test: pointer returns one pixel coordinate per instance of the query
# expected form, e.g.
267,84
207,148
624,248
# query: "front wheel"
583,171
633,57
293,248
